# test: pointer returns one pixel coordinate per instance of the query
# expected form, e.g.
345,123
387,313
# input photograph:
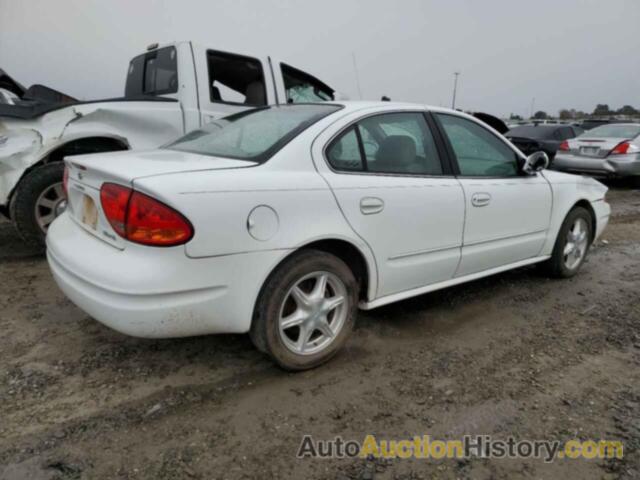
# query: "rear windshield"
153,73
254,135
531,132
613,131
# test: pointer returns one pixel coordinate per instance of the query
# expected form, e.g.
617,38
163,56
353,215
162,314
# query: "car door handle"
371,205
480,199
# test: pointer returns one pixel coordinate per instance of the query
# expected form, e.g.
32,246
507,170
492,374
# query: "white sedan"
283,221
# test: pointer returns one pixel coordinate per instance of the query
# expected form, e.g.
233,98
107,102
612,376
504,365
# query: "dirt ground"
515,354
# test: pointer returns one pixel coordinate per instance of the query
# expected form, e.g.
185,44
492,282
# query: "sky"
562,53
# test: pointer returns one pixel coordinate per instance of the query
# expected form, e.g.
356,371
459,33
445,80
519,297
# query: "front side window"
478,151
302,87
236,79
399,143
254,135
153,73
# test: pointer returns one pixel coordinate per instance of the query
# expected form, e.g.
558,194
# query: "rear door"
390,181
507,213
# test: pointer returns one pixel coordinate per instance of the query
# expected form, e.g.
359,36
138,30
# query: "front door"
507,213
388,178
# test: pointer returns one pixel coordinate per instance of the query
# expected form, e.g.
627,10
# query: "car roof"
354,105
543,125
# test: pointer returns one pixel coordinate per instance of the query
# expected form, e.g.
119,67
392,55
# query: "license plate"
89,212
590,151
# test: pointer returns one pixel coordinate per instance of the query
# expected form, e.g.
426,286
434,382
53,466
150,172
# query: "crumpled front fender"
25,143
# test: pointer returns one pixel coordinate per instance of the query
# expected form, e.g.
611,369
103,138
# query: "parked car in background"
541,137
170,90
609,150
281,221
590,123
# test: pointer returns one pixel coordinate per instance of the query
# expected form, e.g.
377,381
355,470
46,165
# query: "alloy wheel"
576,243
50,204
313,313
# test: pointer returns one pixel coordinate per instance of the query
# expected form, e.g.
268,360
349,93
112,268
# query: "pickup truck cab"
170,90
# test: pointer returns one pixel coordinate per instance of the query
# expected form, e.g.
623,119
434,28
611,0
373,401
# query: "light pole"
355,68
533,102
455,87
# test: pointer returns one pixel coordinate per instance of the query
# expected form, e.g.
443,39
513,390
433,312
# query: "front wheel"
37,201
306,310
572,244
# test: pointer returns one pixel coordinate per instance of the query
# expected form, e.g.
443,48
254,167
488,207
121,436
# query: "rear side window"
614,131
302,87
478,151
255,134
344,154
153,73
236,79
399,143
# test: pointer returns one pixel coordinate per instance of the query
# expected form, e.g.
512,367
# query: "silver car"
609,150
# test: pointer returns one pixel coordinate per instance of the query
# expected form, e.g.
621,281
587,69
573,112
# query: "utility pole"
455,88
355,68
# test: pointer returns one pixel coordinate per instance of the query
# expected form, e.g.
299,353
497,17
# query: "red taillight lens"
143,219
153,223
621,148
65,181
564,146
115,201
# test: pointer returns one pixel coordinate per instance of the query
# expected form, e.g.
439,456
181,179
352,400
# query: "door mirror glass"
536,162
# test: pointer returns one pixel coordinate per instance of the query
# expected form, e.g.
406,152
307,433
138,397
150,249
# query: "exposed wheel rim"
49,205
576,244
313,313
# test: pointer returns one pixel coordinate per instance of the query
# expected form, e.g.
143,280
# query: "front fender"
569,190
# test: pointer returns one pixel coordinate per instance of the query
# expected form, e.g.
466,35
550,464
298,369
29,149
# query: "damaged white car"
170,90
282,221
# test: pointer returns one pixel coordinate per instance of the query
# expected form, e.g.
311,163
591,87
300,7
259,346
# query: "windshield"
531,132
613,131
254,135
153,73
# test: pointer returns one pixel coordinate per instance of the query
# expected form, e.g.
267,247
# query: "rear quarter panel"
218,204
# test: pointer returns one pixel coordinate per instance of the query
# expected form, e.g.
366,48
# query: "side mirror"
535,162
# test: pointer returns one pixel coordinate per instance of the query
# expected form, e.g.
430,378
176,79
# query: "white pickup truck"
170,89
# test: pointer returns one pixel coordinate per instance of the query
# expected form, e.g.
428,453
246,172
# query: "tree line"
601,110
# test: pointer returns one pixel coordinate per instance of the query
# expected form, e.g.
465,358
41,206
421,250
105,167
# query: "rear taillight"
153,223
623,148
143,219
65,181
564,146
115,201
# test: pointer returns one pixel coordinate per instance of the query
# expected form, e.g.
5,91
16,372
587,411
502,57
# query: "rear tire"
294,321
572,244
40,187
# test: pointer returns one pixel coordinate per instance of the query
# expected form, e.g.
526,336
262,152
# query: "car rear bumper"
621,165
156,292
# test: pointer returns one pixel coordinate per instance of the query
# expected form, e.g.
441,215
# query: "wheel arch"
347,251
589,208
74,146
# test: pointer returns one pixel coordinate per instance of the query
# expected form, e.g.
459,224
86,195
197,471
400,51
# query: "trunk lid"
87,173
593,147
